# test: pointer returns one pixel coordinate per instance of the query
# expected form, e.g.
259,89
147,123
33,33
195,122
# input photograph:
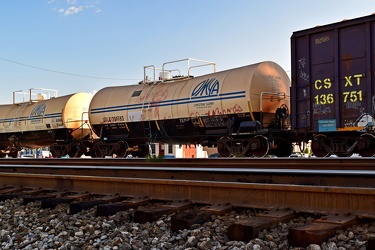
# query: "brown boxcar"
333,94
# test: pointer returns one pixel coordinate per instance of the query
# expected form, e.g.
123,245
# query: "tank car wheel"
97,149
261,147
283,148
317,146
247,149
222,147
366,147
122,149
2,155
142,151
13,154
54,152
72,151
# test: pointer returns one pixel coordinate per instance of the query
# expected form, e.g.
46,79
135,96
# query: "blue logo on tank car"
38,110
209,87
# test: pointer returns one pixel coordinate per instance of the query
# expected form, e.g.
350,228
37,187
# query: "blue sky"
86,45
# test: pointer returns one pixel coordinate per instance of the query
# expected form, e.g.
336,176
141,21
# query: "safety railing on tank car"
146,80
165,74
42,94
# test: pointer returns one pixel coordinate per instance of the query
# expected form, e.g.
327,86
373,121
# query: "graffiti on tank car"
209,87
157,98
232,110
160,96
195,114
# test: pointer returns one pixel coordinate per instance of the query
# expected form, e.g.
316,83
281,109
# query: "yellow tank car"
56,122
236,110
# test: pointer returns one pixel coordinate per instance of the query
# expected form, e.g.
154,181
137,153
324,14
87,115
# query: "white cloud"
71,10
71,7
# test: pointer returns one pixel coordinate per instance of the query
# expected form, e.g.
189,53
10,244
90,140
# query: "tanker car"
242,111
333,90
60,123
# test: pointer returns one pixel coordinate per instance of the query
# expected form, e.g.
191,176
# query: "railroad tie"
188,218
320,230
246,230
115,207
10,193
152,214
78,206
67,199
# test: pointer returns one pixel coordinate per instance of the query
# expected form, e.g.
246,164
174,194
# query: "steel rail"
357,163
343,178
360,201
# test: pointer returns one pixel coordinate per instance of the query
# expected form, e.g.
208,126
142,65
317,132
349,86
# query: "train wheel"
122,149
261,146
13,154
142,151
367,145
98,149
246,149
55,150
222,146
72,151
317,146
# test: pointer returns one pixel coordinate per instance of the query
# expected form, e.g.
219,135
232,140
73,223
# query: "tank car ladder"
147,102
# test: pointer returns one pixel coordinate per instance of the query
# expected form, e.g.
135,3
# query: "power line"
65,73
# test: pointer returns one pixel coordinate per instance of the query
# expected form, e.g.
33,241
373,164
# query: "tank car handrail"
145,77
30,94
206,63
282,94
14,95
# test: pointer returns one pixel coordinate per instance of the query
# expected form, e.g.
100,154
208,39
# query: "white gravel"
30,227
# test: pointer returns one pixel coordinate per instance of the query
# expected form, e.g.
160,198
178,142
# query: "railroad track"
282,186
358,163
